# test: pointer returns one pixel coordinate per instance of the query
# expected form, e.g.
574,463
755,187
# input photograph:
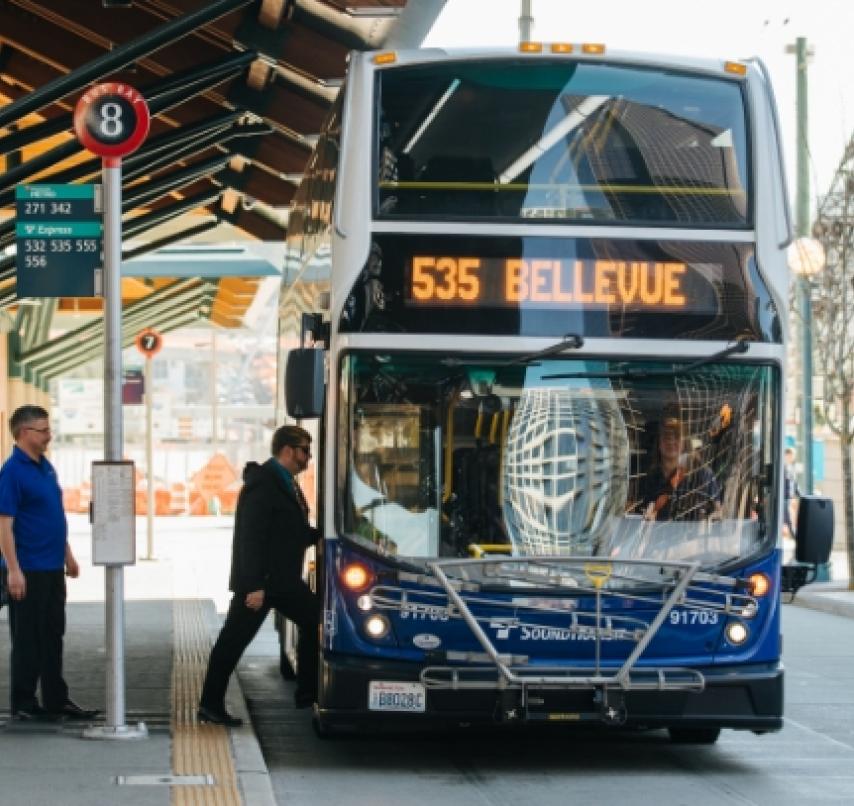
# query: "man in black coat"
271,534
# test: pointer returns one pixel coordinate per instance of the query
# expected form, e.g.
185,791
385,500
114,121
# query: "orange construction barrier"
85,495
179,503
71,499
212,483
228,497
162,499
198,505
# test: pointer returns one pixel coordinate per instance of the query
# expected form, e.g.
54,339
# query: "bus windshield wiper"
571,341
637,372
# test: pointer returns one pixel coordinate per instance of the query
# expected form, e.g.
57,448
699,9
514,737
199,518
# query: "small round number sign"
111,120
149,342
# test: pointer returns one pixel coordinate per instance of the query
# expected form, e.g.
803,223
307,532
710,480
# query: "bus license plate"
386,695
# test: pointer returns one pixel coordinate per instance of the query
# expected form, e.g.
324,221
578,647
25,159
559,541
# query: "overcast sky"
728,29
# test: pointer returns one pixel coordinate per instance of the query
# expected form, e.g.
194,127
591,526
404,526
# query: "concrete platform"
170,620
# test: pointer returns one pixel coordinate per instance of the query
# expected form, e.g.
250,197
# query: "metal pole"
526,21
149,521
802,212
113,428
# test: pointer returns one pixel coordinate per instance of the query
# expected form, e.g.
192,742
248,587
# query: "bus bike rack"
679,584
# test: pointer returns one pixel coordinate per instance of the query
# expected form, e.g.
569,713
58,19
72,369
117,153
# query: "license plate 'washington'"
385,695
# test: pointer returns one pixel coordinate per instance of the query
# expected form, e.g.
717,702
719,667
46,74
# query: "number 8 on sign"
111,125
111,120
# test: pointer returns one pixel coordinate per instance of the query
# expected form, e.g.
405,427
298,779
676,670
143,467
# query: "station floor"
163,756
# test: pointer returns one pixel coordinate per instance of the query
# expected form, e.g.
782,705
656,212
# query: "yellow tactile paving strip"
196,749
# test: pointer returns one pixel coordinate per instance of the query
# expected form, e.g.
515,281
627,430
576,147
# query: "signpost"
149,342
58,239
111,120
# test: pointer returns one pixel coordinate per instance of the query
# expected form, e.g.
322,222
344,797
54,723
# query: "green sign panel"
58,233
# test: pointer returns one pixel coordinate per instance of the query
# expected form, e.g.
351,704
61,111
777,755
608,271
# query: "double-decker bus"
534,309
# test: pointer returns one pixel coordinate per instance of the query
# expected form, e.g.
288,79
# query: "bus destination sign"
58,235
477,281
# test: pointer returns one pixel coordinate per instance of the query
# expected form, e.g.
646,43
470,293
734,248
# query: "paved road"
810,761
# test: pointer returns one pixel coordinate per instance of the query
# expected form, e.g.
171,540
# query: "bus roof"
648,59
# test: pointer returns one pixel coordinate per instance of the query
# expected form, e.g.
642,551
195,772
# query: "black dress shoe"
71,710
218,716
33,713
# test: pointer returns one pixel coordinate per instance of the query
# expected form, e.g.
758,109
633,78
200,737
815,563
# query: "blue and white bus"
535,312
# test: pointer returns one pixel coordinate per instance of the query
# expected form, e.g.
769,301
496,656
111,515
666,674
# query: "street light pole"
802,223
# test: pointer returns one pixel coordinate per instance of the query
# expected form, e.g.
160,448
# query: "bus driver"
675,489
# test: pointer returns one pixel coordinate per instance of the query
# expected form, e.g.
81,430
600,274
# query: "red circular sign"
149,342
111,120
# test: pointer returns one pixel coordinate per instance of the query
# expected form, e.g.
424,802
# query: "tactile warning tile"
197,749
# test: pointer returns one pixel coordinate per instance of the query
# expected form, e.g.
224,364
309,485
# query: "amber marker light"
389,57
736,68
593,48
355,577
561,47
759,584
530,47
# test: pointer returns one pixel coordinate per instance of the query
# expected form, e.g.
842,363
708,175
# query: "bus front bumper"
744,697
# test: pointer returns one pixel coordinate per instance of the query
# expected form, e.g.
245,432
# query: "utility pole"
526,21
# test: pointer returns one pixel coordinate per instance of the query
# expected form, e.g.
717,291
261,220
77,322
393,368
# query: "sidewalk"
832,596
170,621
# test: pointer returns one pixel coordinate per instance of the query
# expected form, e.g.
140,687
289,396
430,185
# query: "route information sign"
58,236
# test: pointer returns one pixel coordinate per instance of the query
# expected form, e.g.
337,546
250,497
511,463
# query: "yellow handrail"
478,550
447,487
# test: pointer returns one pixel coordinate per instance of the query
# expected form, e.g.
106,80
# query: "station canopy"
238,91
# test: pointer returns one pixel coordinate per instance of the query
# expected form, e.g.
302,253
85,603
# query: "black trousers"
241,624
37,627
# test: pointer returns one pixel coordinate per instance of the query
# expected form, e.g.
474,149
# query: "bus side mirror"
304,383
814,533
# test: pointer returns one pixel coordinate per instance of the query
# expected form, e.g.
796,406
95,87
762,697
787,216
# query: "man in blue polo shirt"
36,555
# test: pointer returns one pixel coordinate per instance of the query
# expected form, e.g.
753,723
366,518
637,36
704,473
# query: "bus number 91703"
683,617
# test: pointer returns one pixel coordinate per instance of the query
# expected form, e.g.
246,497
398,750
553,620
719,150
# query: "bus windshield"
593,141
455,457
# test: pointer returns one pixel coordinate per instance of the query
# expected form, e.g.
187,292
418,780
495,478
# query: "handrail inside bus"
449,452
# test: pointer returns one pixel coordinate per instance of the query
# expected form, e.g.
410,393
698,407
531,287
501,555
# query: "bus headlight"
736,633
364,602
377,626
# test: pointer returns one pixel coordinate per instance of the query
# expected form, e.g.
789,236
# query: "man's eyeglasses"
38,430
304,448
